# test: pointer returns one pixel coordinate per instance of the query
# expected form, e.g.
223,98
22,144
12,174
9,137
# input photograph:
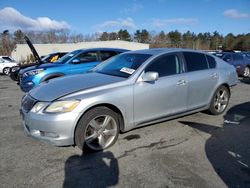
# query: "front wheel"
246,72
6,70
97,130
220,101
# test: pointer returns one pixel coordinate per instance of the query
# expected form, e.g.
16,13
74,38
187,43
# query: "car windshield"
123,65
67,57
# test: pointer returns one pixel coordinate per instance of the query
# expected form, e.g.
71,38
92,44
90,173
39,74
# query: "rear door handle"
181,82
214,75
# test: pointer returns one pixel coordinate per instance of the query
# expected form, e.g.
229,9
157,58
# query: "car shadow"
91,170
228,148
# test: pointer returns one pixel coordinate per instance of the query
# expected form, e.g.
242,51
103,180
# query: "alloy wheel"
221,100
6,71
100,132
246,72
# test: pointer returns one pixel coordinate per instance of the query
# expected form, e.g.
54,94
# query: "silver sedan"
130,90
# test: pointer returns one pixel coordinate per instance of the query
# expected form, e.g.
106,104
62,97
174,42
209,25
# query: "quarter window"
195,61
165,66
211,62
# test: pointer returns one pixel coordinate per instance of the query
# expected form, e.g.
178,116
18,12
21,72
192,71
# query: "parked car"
6,63
78,61
239,61
130,90
50,58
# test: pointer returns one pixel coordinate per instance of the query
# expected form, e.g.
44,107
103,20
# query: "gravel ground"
198,150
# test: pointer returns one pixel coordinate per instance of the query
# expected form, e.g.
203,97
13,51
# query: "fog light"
48,134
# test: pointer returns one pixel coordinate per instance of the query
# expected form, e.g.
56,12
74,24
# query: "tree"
159,41
124,35
104,36
7,44
18,37
175,38
113,36
188,40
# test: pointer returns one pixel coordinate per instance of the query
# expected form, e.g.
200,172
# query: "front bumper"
56,129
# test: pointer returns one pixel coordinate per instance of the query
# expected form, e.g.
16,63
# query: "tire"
6,70
219,101
97,130
246,72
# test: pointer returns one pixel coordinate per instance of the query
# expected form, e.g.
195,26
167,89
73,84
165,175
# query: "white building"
22,50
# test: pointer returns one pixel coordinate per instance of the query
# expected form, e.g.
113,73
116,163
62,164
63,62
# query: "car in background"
6,63
50,58
130,90
239,61
78,61
246,54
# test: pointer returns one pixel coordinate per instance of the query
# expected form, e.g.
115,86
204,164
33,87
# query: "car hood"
40,66
32,48
59,87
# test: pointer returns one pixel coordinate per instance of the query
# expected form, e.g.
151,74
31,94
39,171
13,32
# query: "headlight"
38,106
33,72
62,106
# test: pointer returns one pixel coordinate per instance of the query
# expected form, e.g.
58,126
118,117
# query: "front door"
166,96
84,62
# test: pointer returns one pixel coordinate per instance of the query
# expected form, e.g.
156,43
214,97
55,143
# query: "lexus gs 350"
130,90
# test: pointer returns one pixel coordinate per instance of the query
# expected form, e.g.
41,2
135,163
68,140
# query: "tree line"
172,39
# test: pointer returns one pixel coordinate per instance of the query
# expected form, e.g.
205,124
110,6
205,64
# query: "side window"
107,54
87,57
7,58
165,66
211,62
237,57
195,61
227,58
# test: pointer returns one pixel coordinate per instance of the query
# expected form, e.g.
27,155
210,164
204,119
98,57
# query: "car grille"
27,103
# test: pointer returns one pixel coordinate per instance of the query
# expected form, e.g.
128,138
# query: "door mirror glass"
150,76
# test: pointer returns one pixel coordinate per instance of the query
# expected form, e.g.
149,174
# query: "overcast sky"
83,16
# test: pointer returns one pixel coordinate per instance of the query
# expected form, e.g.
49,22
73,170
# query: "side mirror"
76,61
150,76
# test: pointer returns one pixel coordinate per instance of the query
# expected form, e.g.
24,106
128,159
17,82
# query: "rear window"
211,62
195,61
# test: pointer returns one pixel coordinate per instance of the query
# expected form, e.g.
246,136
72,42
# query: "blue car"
240,61
76,62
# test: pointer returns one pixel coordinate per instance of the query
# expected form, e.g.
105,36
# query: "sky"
88,17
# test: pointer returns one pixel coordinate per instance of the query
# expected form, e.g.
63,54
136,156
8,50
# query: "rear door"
166,96
202,77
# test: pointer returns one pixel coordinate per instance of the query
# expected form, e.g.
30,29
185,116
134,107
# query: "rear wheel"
6,70
246,72
220,101
97,130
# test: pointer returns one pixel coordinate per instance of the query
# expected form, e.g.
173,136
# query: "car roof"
112,49
158,51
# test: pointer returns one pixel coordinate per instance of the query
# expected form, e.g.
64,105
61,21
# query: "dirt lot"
198,150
